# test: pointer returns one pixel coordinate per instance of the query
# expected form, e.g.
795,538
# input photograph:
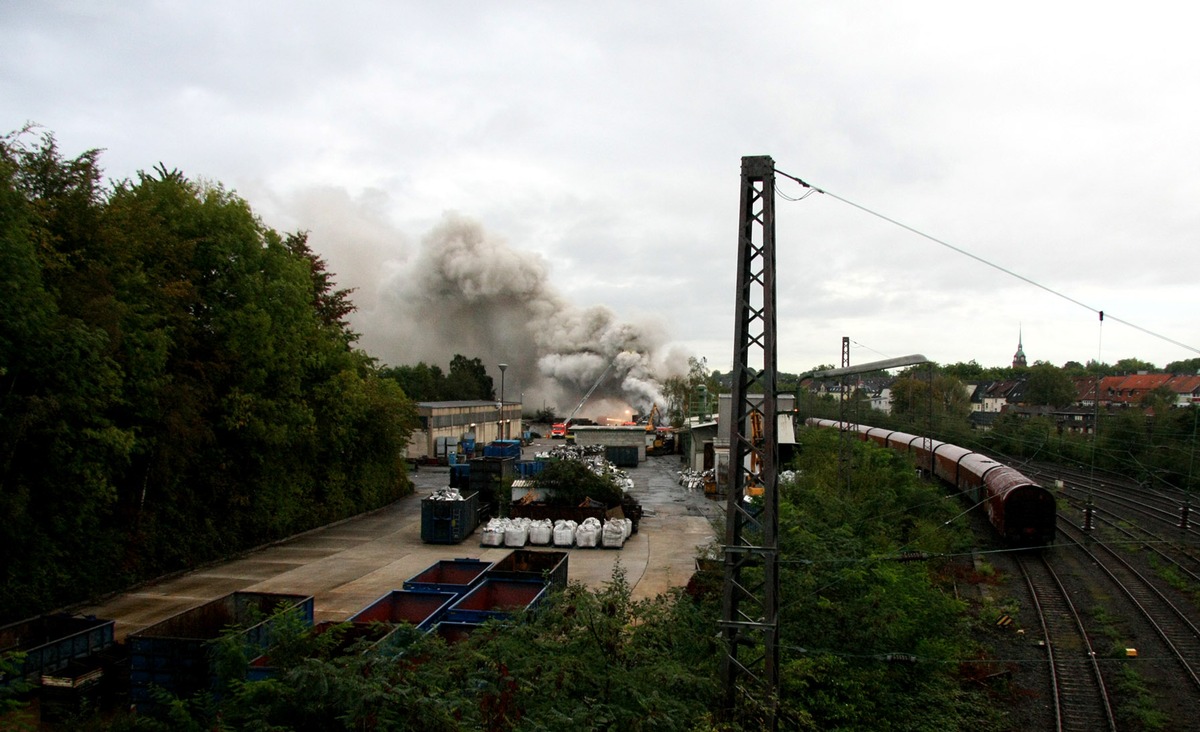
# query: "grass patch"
1139,707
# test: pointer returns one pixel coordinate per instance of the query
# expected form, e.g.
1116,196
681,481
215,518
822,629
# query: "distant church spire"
1019,356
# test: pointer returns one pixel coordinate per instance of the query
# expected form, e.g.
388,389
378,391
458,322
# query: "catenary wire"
993,265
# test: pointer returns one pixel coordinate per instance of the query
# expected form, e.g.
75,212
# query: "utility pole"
750,599
503,432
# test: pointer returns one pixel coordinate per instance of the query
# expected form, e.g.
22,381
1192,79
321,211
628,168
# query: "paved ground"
347,566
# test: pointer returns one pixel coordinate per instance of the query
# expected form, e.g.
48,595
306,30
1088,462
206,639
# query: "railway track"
1140,520
1081,700
1177,633
1164,508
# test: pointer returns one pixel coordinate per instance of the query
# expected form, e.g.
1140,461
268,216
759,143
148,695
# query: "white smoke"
464,291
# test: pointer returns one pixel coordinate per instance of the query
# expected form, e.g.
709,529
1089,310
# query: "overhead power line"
981,260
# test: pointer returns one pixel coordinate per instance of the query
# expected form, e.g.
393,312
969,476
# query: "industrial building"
630,436
456,427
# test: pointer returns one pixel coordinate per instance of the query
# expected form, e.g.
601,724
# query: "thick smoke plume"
464,291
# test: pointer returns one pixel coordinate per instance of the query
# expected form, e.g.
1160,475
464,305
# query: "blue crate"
503,449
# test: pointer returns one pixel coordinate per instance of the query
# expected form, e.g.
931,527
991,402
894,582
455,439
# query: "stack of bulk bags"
615,532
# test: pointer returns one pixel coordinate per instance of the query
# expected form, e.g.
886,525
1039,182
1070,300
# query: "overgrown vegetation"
177,381
873,643
585,660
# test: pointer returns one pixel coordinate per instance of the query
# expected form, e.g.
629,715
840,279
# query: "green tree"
468,379
59,383
1133,365
421,383
692,394
571,482
969,371
177,381
942,402
1187,366
1050,385
1099,368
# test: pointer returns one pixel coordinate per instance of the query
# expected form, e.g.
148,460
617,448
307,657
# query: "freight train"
1022,512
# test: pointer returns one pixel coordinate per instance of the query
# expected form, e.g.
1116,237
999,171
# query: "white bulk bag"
517,533
588,533
540,532
493,533
613,535
564,532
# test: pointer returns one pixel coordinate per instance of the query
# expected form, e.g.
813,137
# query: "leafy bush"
571,482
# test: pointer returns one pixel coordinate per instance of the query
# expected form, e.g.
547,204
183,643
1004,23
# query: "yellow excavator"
659,440
753,486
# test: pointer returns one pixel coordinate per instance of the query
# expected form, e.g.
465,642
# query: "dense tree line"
177,381
467,380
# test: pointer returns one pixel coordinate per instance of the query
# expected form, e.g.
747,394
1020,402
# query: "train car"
1022,512
963,469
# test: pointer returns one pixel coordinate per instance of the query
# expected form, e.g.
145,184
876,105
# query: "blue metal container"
530,468
449,575
175,654
422,608
453,632
460,476
368,634
503,449
50,642
448,522
532,565
496,599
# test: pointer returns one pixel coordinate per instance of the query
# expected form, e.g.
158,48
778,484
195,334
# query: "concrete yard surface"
348,565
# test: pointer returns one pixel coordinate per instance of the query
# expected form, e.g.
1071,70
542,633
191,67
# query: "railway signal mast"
750,598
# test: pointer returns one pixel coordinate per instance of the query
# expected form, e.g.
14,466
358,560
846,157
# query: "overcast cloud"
604,141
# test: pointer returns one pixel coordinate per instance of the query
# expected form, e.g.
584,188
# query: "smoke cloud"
464,291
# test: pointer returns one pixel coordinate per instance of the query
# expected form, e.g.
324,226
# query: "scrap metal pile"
593,457
571,452
694,480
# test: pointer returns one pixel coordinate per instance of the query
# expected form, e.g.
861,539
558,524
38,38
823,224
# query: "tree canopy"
177,380
467,380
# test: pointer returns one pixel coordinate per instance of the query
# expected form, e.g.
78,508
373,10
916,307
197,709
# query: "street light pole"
503,434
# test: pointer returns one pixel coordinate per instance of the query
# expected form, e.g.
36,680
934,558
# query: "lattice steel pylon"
750,601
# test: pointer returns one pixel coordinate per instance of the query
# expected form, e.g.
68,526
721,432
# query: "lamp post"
502,430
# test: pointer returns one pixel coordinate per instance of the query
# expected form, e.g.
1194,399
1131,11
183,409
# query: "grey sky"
1056,139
